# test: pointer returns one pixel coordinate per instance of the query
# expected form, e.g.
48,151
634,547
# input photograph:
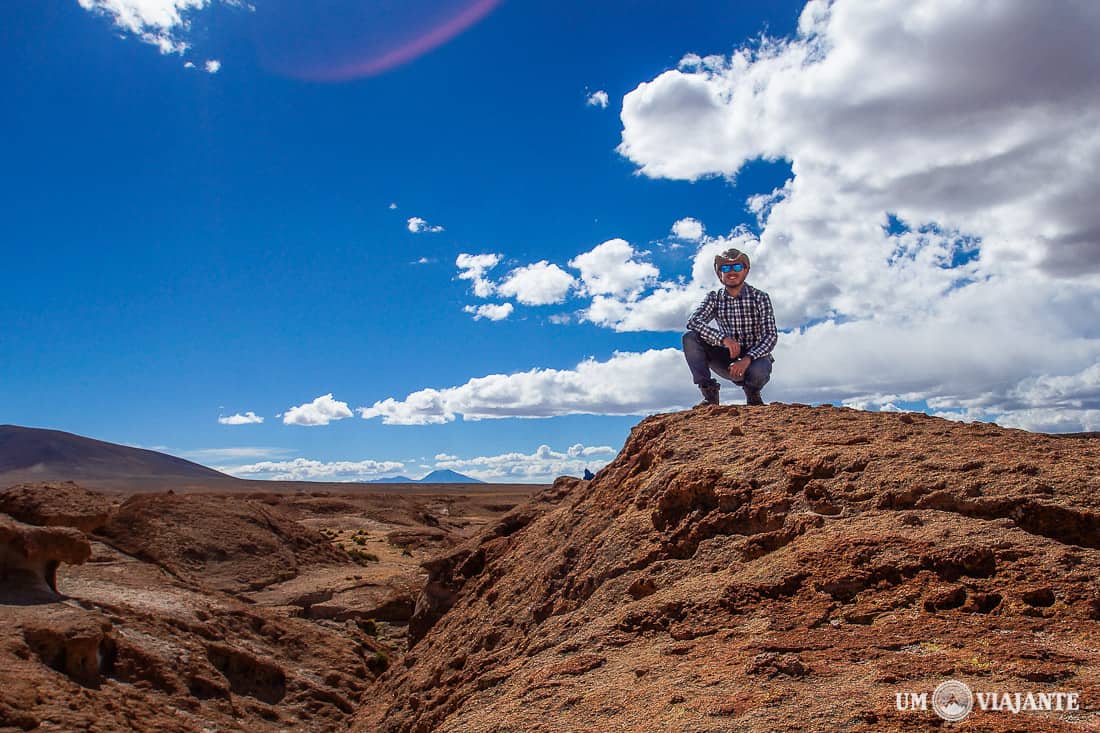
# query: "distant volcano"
444,476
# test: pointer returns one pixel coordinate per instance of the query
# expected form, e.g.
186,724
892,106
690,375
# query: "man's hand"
735,348
739,367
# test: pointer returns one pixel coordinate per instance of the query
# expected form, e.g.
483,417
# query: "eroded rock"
61,504
30,555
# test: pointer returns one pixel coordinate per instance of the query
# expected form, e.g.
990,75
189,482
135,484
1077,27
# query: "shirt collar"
746,292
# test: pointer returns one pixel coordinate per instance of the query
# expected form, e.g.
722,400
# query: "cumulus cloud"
246,419
213,66
542,466
626,384
688,229
611,268
417,226
1053,421
490,311
597,99
542,283
304,469
321,411
158,22
473,268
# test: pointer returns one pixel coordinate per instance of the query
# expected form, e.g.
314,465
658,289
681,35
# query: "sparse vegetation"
378,662
362,557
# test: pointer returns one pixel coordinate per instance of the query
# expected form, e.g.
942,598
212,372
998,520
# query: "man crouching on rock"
740,348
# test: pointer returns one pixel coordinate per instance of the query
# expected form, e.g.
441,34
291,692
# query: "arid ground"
195,610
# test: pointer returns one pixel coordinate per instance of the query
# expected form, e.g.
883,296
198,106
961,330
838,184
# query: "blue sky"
211,211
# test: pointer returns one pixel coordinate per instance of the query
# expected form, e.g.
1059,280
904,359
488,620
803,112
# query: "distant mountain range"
35,454
443,476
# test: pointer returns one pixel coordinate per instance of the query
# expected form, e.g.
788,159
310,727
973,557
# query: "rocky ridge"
772,569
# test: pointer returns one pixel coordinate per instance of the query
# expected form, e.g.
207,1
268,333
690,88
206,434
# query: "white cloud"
688,229
473,268
539,284
1053,420
423,261
304,469
1071,390
418,226
189,65
611,269
321,411
246,419
212,66
541,466
490,311
393,206
597,99
625,384
157,22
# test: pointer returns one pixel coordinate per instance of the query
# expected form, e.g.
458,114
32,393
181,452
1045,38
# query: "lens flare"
338,40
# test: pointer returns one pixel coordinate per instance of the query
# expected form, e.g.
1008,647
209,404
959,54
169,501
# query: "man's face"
733,278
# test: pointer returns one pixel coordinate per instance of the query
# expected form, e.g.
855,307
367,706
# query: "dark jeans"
702,359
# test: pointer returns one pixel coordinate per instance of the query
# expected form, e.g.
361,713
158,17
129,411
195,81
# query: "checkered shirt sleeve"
748,318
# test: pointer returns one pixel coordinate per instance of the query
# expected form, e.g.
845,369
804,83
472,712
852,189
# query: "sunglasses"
735,267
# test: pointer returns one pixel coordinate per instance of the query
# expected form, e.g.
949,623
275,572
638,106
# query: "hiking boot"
752,396
710,392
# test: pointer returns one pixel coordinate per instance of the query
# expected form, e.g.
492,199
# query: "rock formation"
30,556
61,504
128,643
773,569
232,544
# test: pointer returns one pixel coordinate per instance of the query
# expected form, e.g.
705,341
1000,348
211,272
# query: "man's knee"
758,373
691,339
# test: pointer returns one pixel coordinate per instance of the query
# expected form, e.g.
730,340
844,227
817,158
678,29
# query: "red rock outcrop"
234,613
784,568
62,504
30,556
135,649
232,544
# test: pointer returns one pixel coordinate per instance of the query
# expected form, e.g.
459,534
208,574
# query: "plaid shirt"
748,319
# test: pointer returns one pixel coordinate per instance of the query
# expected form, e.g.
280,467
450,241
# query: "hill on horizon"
39,454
